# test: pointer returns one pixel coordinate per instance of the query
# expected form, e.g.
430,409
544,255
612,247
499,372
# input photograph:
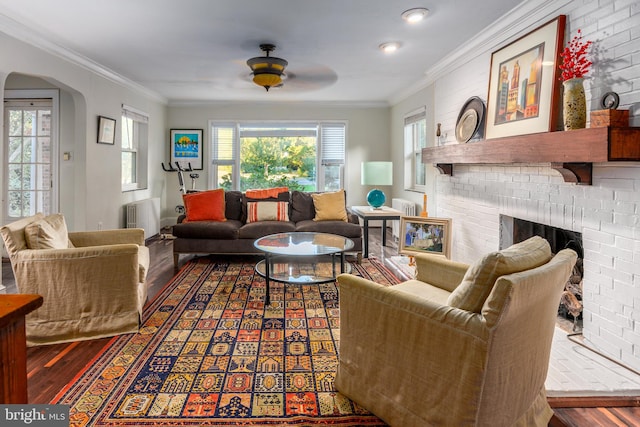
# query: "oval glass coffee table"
301,258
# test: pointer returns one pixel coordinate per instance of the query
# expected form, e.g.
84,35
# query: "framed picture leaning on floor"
420,235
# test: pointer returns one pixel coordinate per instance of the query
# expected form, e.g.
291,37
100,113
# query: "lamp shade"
377,173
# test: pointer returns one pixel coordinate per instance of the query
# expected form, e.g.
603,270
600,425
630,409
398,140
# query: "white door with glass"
29,153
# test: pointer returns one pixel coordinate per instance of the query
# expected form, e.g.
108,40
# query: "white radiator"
144,214
408,208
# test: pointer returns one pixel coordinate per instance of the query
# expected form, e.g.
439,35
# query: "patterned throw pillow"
267,211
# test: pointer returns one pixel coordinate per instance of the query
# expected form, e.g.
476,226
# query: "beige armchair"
459,345
92,287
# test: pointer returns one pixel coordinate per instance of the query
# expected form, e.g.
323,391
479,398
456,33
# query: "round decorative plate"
467,125
475,104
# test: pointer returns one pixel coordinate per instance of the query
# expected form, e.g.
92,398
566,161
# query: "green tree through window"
263,157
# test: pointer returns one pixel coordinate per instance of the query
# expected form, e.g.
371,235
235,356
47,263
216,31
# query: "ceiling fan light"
415,14
267,70
267,80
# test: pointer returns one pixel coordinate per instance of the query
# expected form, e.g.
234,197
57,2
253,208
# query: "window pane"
128,167
415,139
15,149
15,122
332,177
27,125
127,134
277,161
333,143
28,148
44,177
278,154
421,134
420,170
44,150
224,138
225,177
44,122
28,204
28,178
15,204
42,201
15,177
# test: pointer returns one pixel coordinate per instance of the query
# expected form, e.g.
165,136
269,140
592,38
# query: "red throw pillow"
265,193
205,205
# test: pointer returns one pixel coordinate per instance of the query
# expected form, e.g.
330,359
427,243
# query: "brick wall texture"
607,213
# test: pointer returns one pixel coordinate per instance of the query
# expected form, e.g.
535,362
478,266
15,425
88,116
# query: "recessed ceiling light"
414,15
389,47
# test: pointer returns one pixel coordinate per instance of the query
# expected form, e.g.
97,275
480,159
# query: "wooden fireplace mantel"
571,153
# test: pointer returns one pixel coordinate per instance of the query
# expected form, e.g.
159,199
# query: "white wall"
90,190
368,136
607,212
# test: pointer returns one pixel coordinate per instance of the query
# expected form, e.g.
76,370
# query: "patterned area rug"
210,354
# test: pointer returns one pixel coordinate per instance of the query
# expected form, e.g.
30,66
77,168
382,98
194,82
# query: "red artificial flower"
574,58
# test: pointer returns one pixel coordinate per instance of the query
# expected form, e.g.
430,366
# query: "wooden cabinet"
571,153
13,345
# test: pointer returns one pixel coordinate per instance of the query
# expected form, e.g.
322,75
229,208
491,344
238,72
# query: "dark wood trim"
578,173
594,402
570,152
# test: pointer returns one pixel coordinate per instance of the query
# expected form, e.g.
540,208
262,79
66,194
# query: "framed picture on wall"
425,235
186,148
106,130
524,85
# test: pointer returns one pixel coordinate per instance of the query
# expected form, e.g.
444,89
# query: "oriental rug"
209,353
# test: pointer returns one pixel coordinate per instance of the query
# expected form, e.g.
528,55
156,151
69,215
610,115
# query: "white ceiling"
196,50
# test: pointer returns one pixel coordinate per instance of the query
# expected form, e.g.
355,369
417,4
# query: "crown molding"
525,17
283,103
28,35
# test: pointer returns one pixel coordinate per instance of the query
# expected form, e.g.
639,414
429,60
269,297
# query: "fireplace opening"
515,230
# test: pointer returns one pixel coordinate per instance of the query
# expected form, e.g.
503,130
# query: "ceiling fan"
269,71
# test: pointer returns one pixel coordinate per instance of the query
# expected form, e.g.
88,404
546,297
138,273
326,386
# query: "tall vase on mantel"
574,104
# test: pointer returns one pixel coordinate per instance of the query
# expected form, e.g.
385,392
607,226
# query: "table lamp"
377,173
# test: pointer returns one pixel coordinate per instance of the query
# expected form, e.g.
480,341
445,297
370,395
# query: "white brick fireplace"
607,214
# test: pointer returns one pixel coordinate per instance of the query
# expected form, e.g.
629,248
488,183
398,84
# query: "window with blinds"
306,156
415,139
134,139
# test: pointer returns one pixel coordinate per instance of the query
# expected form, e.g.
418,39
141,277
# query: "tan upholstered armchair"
457,346
93,287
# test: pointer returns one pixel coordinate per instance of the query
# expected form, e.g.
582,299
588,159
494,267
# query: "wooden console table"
13,345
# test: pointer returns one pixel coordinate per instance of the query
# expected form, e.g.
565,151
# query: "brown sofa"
236,236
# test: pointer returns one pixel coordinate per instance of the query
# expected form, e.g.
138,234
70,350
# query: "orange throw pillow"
205,205
265,193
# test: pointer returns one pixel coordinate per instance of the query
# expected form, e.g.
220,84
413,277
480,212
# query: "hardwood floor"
50,368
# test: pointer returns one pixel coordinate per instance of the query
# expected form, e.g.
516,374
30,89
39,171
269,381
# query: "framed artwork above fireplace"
524,86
